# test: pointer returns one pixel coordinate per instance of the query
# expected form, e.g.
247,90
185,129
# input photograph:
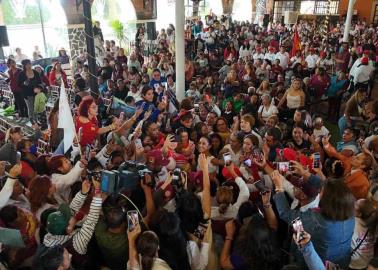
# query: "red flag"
296,43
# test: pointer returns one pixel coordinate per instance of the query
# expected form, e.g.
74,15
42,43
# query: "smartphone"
196,108
227,159
18,157
248,162
316,161
257,154
104,183
138,143
132,219
283,167
298,228
87,151
261,187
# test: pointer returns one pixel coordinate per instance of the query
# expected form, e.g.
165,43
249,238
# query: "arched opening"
242,10
166,10
33,23
115,13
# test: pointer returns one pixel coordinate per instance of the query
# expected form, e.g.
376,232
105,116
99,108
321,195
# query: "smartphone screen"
18,157
248,162
104,183
283,167
227,158
132,219
87,152
298,228
316,161
138,143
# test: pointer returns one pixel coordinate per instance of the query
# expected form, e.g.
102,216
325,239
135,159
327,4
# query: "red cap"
365,60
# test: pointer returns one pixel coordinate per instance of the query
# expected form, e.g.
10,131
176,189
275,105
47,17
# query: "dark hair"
189,209
334,168
263,254
186,104
41,166
239,136
49,258
55,163
275,133
145,89
8,214
172,239
84,106
337,201
115,209
147,244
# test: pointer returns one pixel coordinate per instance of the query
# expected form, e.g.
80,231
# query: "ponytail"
146,262
223,208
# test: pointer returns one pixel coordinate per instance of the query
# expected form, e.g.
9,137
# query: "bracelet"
229,238
268,205
279,190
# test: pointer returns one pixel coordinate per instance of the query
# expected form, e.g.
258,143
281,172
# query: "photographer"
61,224
336,214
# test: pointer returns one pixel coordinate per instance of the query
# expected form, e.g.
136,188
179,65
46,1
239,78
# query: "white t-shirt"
284,59
266,113
311,60
323,131
365,252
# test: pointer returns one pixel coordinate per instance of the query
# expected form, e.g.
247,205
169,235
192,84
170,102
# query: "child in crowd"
40,100
319,129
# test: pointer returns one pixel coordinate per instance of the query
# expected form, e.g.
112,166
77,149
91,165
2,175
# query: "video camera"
127,177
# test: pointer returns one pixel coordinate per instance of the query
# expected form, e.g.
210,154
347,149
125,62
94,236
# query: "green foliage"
32,14
119,31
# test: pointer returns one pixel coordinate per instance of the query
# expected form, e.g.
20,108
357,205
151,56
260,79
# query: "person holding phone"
144,251
147,104
225,209
331,226
61,224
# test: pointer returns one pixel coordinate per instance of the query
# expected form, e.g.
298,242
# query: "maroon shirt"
345,56
13,80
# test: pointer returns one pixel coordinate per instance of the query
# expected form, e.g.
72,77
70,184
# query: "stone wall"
76,37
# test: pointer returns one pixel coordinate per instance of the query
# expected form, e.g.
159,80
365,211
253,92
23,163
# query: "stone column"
228,6
76,38
180,49
348,20
260,11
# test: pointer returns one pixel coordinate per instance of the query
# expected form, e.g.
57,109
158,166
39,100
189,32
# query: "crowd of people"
243,173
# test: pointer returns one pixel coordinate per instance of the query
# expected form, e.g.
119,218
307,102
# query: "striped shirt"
82,236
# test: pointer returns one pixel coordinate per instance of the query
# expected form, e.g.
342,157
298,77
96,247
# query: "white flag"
65,120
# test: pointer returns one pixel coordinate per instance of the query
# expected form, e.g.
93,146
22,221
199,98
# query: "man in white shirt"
258,54
311,59
283,56
270,55
356,63
363,72
19,56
